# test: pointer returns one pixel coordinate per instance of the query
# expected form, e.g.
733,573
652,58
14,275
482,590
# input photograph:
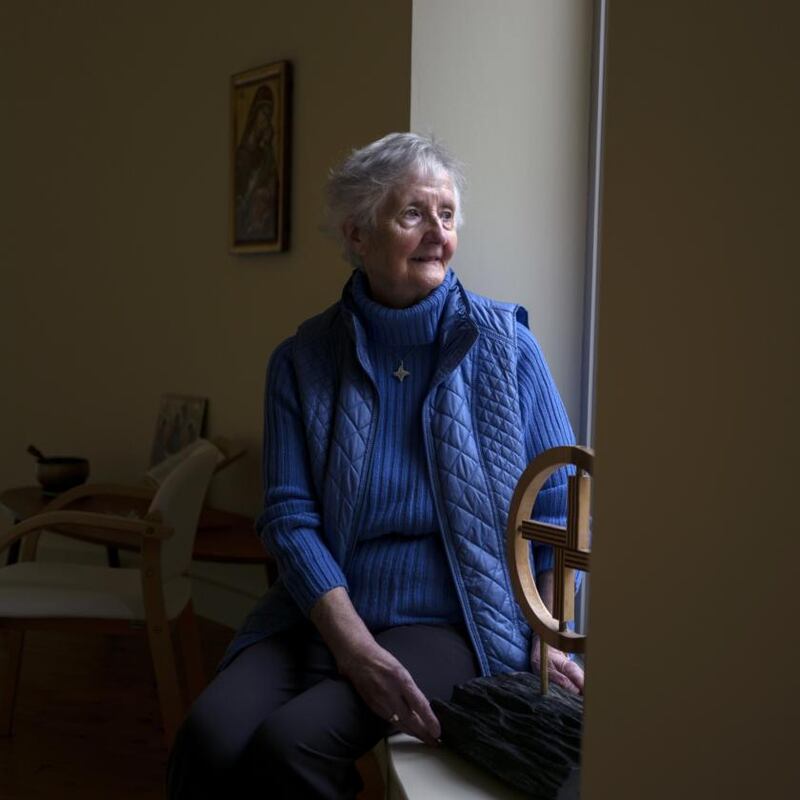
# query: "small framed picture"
260,159
181,419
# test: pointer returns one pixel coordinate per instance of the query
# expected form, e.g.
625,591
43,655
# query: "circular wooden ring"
518,549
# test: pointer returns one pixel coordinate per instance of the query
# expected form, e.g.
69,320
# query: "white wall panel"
507,86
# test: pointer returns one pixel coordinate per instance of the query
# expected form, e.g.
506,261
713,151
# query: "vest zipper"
477,645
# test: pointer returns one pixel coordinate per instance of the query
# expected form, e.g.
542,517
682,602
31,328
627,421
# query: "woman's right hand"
383,683
387,687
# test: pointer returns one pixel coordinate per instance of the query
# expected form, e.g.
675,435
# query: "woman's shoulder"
307,352
533,372
514,316
527,346
314,329
498,316
280,361
320,325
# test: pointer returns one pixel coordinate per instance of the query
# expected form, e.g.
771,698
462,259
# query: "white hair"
357,188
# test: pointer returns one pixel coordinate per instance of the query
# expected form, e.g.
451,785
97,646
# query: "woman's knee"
211,738
275,745
198,761
295,760
204,755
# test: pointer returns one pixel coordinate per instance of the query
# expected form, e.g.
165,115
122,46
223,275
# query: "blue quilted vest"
471,425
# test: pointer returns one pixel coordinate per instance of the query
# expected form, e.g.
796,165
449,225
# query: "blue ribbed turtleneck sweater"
399,573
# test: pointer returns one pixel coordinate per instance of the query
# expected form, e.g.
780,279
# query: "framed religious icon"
260,159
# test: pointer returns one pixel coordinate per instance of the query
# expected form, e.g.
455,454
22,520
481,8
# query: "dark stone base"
506,726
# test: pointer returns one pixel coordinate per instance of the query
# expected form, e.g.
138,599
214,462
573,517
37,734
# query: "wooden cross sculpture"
571,545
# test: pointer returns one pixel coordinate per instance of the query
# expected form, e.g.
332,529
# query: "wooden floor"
87,723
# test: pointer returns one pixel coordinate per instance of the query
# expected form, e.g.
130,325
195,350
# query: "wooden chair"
122,499
154,597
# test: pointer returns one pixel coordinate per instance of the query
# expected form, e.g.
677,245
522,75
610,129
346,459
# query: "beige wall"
692,683
507,86
115,279
116,282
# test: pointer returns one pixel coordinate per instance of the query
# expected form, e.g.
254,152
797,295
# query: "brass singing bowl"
59,473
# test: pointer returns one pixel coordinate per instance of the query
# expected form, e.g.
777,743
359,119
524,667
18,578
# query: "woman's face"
405,255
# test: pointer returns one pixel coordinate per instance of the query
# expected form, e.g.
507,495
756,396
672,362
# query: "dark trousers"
280,722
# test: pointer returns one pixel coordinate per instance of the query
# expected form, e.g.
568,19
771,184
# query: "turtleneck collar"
417,324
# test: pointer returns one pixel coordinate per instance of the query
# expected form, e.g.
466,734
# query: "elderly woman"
397,423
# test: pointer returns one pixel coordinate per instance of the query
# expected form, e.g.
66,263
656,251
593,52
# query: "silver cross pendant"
401,373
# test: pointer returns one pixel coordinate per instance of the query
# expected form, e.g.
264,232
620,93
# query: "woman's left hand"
562,672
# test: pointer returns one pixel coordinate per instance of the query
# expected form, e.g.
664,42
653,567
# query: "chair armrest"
106,528
87,490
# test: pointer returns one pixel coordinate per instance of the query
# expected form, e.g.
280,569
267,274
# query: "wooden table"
222,536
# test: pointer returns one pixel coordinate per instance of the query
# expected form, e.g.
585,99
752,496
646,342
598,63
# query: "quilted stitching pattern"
315,371
498,424
474,491
337,432
348,455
